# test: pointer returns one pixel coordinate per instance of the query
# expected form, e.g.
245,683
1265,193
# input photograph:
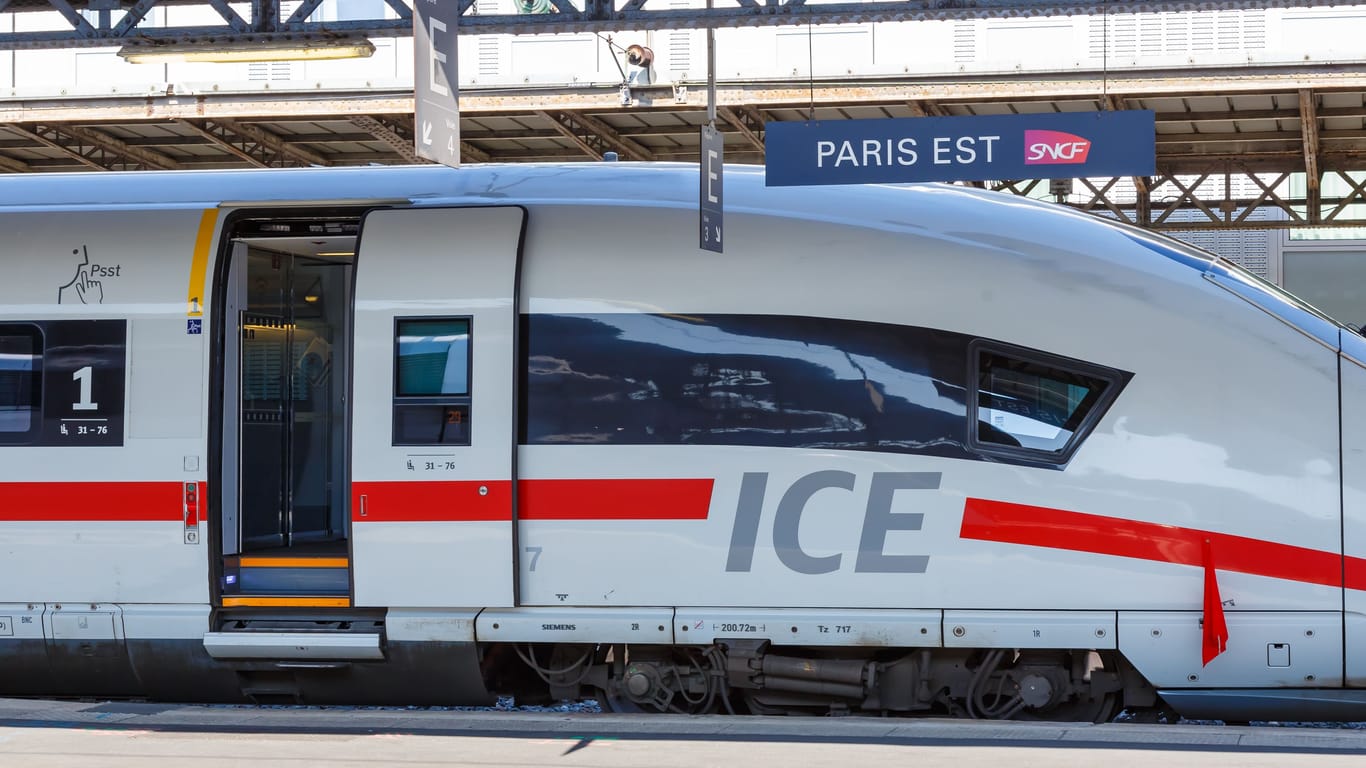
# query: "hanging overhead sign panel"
1043,146
436,123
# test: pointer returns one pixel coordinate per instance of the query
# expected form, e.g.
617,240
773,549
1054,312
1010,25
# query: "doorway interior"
286,338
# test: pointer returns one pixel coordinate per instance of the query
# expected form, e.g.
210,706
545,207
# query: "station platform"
41,733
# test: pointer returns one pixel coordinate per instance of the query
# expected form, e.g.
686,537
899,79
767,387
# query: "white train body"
356,435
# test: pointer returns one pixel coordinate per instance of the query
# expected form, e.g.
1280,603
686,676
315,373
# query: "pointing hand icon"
88,290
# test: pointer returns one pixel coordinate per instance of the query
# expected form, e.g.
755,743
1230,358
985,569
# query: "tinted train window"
1028,404
432,381
797,382
21,368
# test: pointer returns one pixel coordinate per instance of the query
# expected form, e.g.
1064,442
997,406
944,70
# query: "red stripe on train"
1009,523
93,502
400,501
672,499
428,501
465,500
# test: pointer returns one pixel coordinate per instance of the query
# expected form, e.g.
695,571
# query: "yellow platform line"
294,562
286,602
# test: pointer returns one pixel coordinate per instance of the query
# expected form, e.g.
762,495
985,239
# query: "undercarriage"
756,677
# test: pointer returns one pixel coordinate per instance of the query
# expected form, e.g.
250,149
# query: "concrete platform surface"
116,734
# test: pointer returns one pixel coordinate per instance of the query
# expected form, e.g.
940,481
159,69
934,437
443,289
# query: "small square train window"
432,381
433,357
1038,406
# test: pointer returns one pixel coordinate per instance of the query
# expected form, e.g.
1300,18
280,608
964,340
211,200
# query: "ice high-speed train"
420,435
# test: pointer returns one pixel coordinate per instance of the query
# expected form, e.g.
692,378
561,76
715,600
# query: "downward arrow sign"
426,132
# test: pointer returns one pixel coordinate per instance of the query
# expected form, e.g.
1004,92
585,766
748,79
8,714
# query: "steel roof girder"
595,15
1309,135
273,142
224,139
147,157
133,17
52,137
388,134
10,165
1357,195
1188,193
230,15
747,121
1267,195
1101,196
593,136
79,25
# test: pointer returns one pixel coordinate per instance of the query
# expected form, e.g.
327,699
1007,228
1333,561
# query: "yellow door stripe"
293,562
194,298
287,602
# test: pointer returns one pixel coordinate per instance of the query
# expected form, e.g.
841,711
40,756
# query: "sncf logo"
1055,148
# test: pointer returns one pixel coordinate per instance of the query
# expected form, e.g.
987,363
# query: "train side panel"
1180,452
99,485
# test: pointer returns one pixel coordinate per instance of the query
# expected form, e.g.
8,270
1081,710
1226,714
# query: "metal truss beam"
748,122
254,144
95,149
1174,194
594,136
1309,134
218,135
10,165
398,138
92,23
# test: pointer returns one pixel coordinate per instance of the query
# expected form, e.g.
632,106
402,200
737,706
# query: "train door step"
286,580
280,646
299,639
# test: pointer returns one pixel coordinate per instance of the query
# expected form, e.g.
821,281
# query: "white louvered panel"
1151,41
1177,32
490,48
1229,31
1202,32
677,57
489,56
964,41
1114,36
268,71
680,51
1254,29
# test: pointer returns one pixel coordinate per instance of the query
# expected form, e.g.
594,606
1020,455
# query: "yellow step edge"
286,602
294,562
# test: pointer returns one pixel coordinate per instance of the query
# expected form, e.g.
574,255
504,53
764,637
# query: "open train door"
433,415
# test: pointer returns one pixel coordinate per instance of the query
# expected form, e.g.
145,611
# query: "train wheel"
1100,705
612,702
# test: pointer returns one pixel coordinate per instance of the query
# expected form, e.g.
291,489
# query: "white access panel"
896,628
432,523
1266,649
644,626
1093,630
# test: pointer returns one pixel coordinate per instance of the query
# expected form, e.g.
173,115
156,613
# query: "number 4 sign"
435,92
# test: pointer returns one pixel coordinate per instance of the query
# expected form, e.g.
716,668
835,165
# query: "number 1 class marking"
84,376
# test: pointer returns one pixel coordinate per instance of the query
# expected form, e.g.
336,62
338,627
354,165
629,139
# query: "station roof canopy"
1212,126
